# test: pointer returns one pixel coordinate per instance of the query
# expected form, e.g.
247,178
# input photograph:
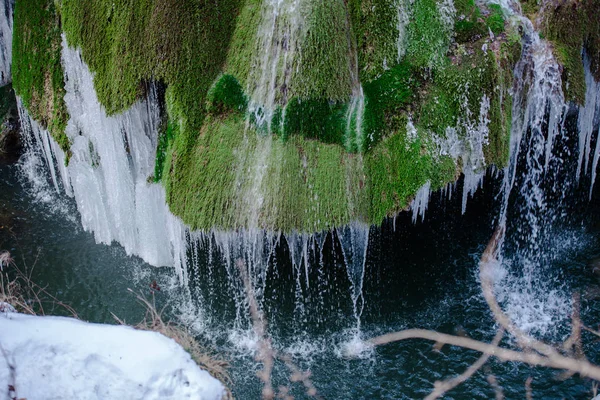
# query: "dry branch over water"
568,358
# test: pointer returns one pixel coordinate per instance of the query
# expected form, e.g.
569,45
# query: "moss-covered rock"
37,70
359,96
574,28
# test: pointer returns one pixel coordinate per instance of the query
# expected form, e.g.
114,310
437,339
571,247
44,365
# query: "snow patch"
64,358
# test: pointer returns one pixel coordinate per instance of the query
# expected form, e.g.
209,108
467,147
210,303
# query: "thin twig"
497,388
442,387
528,392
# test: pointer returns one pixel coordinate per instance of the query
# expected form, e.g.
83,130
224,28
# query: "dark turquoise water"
415,276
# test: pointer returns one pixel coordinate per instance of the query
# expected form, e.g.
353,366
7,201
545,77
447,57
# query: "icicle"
587,116
420,203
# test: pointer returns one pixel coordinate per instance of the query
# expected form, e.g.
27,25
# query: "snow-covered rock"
64,358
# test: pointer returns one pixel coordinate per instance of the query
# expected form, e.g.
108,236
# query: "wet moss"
37,70
574,28
315,119
386,98
376,30
429,33
324,65
225,96
182,43
315,177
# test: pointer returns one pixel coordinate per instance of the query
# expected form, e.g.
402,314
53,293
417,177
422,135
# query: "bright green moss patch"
315,119
305,185
495,21
242,50
387,97
37,70
225,96
397,168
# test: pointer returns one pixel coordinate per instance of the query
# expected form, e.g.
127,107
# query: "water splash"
530,294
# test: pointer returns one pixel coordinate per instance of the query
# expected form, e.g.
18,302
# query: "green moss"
37,70
212,162
428,34
226,95
573,76
453,98
376,29
495,21
574,27
324,65
242,50
468,25
530,8
397,169
182,43
165,139
315,119
386,98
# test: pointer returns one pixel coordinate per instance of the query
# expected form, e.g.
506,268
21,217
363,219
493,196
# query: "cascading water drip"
354,240
277,45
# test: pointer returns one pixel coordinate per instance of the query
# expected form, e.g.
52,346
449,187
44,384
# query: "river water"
422,275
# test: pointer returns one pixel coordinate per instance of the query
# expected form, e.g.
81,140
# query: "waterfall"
6,35
277,45
523,284
110,162
354,120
